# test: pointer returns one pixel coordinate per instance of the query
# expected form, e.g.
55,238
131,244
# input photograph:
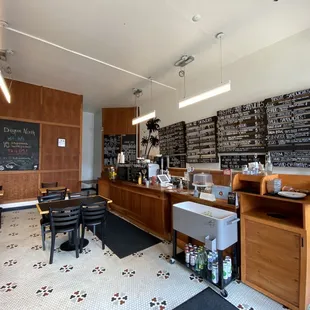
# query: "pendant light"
5,89
221,89
148,116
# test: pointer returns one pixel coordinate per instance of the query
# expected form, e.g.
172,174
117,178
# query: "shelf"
250,178
260,215
205,274
306,200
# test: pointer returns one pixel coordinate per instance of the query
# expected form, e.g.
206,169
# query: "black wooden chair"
45,220
47,185
93,215
82,194
65,220
62,192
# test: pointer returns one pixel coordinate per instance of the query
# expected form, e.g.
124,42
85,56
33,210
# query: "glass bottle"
268,166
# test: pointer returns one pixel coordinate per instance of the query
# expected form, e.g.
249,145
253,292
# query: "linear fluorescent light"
223,88
143,118
5,89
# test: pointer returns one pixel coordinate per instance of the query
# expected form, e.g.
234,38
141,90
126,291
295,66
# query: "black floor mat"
206,300
124,238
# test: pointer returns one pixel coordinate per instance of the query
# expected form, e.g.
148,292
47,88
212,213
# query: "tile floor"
98,279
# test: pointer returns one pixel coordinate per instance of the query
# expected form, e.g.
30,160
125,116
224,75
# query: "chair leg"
76,242
43,236
82,239
103,227
94,232
53,237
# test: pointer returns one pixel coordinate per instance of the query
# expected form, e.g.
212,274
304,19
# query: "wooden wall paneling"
54,157
69,179
61,107
118,121
19,186
25,101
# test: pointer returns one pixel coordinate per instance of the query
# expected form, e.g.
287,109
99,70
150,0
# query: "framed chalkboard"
129,147
19,145
111,147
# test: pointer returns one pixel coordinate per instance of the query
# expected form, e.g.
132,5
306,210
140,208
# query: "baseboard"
18,205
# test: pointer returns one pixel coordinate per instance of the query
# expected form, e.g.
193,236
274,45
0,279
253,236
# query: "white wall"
97,144
278,69
88,146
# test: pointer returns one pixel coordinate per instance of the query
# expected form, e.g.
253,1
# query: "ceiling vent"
184,60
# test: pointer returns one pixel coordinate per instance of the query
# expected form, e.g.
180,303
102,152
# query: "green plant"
151,140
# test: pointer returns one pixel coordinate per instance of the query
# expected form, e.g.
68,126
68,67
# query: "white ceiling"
142,36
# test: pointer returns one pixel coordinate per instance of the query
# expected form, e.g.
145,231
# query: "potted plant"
151,140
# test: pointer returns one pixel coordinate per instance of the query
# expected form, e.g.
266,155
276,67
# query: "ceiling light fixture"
5,89
146,117
143,118
184,60
223,88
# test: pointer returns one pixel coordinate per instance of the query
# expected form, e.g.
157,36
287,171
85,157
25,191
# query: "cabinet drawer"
273,260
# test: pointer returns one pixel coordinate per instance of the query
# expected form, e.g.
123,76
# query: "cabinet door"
272,260
152,212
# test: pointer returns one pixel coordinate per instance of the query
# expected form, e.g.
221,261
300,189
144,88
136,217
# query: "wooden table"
43,190
43,208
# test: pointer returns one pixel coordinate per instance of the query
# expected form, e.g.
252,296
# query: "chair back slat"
96,212
62,192
51,184
64,217
51,197
79,194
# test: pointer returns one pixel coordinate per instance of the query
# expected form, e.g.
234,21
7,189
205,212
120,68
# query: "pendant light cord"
184,86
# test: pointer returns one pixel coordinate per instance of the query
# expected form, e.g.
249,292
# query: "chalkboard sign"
237,161
177,161
19,145
172,139
288,121
288,129
296,159
129,147
242,129
201,141
111,147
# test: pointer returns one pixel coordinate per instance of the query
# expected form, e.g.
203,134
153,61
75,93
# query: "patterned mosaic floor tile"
98,279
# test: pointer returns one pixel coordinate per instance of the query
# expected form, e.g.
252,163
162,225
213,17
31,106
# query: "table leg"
69,245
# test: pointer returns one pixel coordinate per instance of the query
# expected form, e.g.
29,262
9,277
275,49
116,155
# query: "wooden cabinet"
275,256
273,260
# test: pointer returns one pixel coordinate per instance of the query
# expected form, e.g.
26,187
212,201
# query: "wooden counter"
150,207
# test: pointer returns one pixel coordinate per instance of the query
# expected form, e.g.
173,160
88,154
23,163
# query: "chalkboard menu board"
177,161
296,159
237,161
288,122
201,141
19,145
172,141
129,147
242,129
111,147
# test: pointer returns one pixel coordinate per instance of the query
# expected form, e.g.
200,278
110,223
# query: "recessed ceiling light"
196,18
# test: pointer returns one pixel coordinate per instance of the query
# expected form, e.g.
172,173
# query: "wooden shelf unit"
275,239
